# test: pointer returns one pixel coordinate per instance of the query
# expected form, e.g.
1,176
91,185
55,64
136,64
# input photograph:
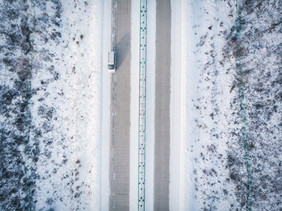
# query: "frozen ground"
232,93
50,104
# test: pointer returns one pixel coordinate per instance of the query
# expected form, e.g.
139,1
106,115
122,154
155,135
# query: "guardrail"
142,104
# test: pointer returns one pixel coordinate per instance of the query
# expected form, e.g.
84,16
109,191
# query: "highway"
120,107
162,106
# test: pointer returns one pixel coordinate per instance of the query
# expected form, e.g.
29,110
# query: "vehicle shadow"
121,49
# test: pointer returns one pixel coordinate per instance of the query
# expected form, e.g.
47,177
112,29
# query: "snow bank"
176,107
134,104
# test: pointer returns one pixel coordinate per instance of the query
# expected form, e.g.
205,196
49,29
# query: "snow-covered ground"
68,168
206,110
105,110
225,105
177,107
231,144
51,53
134,103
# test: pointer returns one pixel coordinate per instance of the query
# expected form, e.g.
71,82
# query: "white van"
111,62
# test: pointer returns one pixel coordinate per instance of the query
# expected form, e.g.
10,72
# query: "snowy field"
225,105
231,140
50,104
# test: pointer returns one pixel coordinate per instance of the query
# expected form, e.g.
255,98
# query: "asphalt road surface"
120,107
162,105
